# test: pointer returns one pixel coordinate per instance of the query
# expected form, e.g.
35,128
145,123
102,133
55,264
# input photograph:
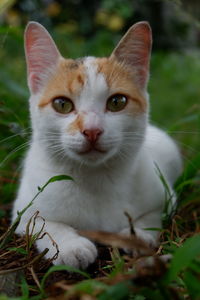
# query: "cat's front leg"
74,250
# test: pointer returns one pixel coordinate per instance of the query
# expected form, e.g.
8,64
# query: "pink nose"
92,135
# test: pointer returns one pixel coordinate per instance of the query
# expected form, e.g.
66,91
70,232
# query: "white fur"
105,185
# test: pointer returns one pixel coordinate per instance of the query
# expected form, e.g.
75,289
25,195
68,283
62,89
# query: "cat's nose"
92,135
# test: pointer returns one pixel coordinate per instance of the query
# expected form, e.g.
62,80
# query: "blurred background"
88,27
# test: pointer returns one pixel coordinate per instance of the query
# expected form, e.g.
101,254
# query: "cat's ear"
134,50
41,55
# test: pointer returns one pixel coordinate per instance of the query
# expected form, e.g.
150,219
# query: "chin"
92,158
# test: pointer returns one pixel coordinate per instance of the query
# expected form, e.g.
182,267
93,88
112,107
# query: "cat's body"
111,153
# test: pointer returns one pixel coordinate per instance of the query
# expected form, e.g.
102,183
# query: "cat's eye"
116,102
62,105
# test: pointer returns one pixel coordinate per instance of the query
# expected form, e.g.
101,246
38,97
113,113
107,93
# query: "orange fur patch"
68,81
121,81
76,125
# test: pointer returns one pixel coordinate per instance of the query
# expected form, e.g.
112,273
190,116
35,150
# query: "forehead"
95,86
90,79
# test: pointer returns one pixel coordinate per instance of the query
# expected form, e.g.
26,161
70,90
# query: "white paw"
145,236
78,252
142,234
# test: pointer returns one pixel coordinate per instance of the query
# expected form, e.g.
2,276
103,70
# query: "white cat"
90,121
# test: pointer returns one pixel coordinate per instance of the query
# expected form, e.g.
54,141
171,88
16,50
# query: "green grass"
174,95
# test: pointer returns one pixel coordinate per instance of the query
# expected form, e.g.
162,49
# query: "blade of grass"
61,268
189,172
9,233
183,257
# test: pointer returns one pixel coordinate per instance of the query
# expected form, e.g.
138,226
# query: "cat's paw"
142,234
148,239
78,252
145,236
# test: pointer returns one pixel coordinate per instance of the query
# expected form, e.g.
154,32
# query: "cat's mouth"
91,149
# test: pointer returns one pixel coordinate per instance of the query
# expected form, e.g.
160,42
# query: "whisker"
183,132
13,152
14,135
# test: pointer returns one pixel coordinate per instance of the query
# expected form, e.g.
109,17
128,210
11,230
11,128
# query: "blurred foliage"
174,22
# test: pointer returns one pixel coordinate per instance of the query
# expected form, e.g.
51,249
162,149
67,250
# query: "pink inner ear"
142,53
41,55
134,50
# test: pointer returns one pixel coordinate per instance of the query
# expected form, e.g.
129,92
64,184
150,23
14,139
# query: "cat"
90,121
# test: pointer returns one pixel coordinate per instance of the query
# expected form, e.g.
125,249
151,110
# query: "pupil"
115,101
62,103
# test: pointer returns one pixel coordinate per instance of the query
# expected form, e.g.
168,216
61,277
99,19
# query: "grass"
174,90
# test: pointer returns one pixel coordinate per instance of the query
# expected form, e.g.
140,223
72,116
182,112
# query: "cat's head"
90,109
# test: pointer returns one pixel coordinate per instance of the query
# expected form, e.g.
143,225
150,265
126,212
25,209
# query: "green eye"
116,103
62,105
